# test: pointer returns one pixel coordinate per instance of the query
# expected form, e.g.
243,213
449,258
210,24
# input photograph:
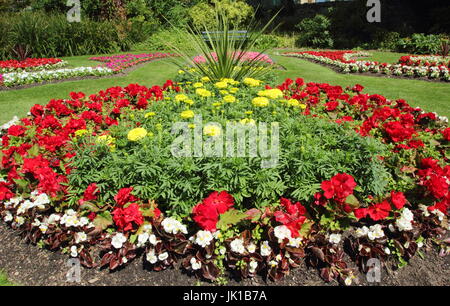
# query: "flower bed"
119,62
96,177
23,78
408,66
31,64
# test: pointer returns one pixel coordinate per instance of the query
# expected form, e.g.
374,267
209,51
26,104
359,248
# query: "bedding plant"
358,174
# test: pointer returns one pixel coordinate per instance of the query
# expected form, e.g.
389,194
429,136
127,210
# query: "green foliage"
52,35
159,41
311,150
268,41
315,32
420,44
238,13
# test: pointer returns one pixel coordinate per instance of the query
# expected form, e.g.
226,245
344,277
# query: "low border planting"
429,67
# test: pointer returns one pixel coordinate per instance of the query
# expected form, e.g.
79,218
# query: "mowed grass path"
431,96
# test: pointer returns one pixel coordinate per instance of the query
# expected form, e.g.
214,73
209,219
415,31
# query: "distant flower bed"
431,67
357,177
23,78
119,62
243,57
31,64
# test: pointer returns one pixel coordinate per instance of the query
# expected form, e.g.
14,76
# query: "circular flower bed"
120,174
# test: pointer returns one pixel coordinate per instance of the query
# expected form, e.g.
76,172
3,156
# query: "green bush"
268,41
420,44
315,32
51,35
160,39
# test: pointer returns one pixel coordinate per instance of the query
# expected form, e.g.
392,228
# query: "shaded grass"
4,280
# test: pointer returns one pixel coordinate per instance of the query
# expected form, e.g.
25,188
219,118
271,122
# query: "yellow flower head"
247,121
180,71
189,101
149,114
249,112
137,134
234,90
205,79
198,85
229,99
251,82
203,92
105,139
80,133
271,93
187,114
260,101
293,102
221,85
212,130
181,98
223,92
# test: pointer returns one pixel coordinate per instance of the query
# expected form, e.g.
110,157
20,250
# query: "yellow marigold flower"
181,97
198,85
223,92
150,114
80,133
137,134
221,85
191,126
187,114
203,92
252,82
229,99
247,121
189,101
217,104
293,102
249,112
302,106
234,90
271,93
180,71
105,139
212,130
205,79
260,101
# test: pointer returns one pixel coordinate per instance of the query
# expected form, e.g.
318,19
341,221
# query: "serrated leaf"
231,217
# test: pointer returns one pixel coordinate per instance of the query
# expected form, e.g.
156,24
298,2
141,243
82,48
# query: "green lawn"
4,280
431,96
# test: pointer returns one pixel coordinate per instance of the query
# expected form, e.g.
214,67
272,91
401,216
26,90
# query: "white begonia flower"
124,260
278,257
195,264
273,263
173,226
19,220
348,281
80,237
295,242
251,248
8,217
73,251
153,239
266,250
203,238
335,238
282,232
387,251
404,222
237,246
151,257
252,266
43,228
163,256
53,219
142,239
375,232
362,232
118,240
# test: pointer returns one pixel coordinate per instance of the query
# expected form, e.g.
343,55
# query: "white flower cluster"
283,232
152,258
373,232
335,238
146,236
118,240
22,78
70,218
173,226
404,223
427,213
203,238
237,246
10,123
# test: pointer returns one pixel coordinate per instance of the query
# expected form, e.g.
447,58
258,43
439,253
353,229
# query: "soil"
26,264
380,75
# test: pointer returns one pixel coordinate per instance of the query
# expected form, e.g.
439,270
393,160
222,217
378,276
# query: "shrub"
161,39
268,41
420,44
315,32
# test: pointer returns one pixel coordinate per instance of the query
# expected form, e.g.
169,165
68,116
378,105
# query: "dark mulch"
26,264
380,75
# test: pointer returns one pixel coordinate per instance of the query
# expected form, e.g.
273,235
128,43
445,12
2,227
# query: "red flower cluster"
128,218
382,210
436,180
206,214
446,134
292,215
339,187
124,196
11,65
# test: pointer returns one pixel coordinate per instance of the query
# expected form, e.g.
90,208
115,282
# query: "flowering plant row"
31,64
22,78
94,177
119,62
407,66
242,56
